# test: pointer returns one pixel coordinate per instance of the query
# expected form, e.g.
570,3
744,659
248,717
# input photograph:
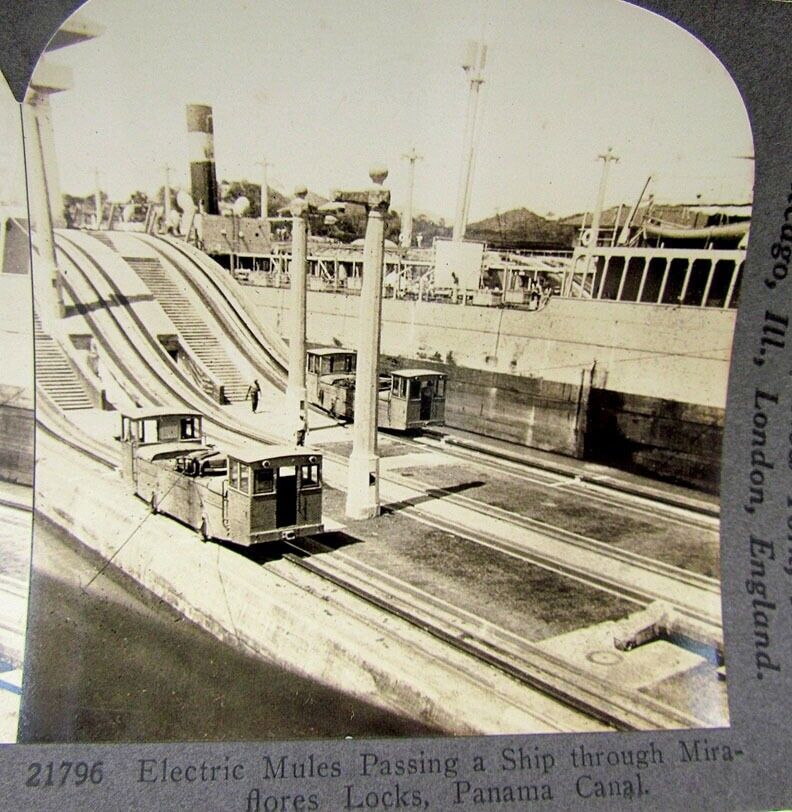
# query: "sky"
323,90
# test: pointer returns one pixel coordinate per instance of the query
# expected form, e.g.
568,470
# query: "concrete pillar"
203,178
363,472
45,264
298,271
47,138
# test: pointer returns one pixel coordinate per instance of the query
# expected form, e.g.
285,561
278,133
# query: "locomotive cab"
322,362
274,492
258,494
146,426
417,399
330,380
178,432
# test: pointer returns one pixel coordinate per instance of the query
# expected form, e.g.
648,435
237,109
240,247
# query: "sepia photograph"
381,359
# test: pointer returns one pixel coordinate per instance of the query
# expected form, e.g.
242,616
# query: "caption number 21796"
52,774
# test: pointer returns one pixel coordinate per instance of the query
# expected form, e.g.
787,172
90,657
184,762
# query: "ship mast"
596,217
473,65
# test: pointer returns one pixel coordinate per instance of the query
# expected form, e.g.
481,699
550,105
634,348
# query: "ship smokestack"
203,179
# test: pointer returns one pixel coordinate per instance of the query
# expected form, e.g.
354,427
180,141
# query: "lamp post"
97,200
265,199
407,222
298,270
363,478
166,196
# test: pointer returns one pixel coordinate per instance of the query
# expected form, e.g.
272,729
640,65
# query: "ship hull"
639,386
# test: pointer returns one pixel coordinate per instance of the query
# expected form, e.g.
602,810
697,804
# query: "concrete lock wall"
16,440
16,371
529,411
665,439
639,386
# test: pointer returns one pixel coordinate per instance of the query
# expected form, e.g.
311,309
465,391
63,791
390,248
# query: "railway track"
581,539
560,533
591,554
602,491
547,546
600,699
245,332
416,497
479,638
619,572
504,695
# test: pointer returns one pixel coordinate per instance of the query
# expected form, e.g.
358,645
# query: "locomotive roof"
159,411
415,373
332,351
255,452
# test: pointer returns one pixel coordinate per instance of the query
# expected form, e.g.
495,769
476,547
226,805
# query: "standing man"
254,393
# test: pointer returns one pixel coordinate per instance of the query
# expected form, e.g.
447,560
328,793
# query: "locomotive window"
440,390
415,389
309,476
263,480
244,478
233,473
188,428
311,363
168,431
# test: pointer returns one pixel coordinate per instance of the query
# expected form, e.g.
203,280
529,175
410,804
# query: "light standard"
298,270
363,480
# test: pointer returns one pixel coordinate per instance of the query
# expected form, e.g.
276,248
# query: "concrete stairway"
55,375
189,324
103,238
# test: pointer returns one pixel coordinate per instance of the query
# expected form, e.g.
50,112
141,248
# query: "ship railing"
325,273
673,277
676,277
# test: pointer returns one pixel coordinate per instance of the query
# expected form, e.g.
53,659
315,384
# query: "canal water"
107,661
